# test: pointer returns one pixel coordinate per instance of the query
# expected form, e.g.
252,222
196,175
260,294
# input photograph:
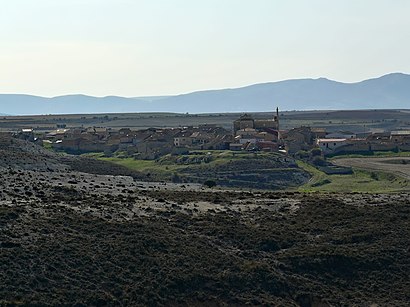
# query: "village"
247,134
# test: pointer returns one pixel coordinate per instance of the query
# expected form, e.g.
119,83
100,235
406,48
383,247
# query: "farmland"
399,166
360,181
365,120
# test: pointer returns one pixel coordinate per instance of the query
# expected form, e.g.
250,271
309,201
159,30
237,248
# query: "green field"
170,163
379,154
227,166
360,181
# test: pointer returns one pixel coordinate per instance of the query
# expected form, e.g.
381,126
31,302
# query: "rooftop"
401,132
331,140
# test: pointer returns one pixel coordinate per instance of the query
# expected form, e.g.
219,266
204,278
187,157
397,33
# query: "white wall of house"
338,135
330,144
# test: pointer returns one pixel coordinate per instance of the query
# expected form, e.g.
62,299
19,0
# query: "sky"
165,47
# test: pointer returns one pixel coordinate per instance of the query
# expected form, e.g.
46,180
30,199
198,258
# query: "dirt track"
396,165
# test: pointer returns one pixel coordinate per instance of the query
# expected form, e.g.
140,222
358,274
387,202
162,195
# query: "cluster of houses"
350,143
248,134
256,134
146,144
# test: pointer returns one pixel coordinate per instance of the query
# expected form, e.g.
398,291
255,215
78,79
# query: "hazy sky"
159,47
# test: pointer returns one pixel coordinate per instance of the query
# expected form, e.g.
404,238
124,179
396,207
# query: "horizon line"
201,90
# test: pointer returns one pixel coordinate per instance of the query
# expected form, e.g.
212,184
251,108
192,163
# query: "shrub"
175,178
302,154
321,182
210,183
318,161
374,176
316,152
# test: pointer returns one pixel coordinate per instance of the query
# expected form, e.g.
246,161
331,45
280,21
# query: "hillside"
228,169
72,238
392,91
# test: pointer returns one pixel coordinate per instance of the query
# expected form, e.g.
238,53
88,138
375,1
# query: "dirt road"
396,165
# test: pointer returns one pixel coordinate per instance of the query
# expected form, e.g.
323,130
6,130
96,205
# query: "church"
246,121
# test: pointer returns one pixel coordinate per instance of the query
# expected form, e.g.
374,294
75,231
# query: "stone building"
246,121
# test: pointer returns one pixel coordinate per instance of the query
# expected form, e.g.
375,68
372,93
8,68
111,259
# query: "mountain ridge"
392,90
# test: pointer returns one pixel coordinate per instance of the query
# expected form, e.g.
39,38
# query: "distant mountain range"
391,91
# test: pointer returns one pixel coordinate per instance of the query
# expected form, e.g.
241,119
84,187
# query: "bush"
374,176
175,178
210,183
316,152
321,182
302,154
108,153
318,161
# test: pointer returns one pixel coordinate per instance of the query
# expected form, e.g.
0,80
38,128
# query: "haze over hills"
390,91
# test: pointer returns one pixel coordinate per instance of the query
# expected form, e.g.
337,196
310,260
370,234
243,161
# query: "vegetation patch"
53,255
359,181
321,182
379,154
226,168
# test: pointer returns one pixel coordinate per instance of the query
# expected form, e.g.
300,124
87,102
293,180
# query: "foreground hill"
74,238
392,91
